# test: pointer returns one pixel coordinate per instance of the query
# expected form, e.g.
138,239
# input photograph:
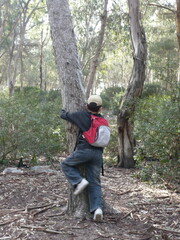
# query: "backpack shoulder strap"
77,139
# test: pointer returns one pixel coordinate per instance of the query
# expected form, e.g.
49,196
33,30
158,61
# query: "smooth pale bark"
178,32
95,60
70,75
3,17
12,71
134,90
178,22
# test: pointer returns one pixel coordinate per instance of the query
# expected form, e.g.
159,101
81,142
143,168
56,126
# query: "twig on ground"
10,211
122,193
36,207
45,230
56,215
18,236
22,210
127,214
166,230
8,222
43,210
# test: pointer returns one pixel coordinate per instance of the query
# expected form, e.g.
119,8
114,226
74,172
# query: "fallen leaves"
32,206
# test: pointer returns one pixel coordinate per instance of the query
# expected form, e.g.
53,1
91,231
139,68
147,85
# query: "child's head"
94,103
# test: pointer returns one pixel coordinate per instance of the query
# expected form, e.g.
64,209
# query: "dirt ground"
32,207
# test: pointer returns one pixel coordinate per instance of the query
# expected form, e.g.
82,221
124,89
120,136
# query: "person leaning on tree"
86,154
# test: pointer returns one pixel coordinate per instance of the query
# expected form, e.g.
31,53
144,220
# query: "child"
85,154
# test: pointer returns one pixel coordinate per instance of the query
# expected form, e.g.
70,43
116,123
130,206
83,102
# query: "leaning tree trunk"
95,60
70,74
178,22
134,90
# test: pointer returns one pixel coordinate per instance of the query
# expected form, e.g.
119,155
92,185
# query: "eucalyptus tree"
170,7
89,18
116,66
178,22
162,41
70,75
18,15
95,59
134,89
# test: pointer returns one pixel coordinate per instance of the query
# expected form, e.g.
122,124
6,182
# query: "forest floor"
32,207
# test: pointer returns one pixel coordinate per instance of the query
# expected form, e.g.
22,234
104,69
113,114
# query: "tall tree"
43,42
176,13
18,39
95,59
178,22
70,75
134,89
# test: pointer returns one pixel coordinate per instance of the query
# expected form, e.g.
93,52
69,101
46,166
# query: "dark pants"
92,161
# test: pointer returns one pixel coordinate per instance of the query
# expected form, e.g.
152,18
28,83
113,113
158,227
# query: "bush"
157,129
150,89
111,151
30,124
111,98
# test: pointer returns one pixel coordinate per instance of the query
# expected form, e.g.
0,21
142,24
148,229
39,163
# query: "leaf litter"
33,203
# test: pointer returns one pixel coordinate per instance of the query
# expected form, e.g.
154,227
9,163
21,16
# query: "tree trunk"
178,22
24,19
95,59
134,90
21,71
41,61
70,74
178,32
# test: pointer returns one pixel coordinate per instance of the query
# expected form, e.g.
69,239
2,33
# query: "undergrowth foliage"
157,134
30,124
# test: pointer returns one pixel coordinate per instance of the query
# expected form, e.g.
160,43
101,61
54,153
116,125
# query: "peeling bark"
134,90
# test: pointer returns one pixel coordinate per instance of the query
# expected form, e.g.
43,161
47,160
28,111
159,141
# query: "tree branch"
161,6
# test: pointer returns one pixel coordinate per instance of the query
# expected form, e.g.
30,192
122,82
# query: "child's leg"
93,170
69,169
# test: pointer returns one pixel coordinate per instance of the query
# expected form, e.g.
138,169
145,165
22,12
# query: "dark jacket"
82,120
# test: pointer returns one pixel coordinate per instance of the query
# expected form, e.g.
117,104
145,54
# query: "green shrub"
111,98
30,124
111,151
150,89
157,128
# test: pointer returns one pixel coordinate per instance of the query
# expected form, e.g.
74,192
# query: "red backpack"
98,134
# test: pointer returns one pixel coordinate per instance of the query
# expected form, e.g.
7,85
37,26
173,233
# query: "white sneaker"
81,186
98,215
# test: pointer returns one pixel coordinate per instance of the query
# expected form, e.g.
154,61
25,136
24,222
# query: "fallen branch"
56,215
162,197
127,214
122,193
36,207
149,203
43,210
22,210
18,237
167,230
43,229
9,211
8,222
